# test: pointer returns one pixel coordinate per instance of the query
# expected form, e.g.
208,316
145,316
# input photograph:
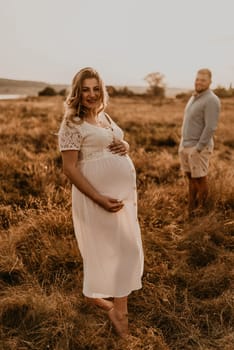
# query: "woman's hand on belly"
119,147
110,204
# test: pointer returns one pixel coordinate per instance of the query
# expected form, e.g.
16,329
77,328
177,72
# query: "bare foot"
102,303
120,322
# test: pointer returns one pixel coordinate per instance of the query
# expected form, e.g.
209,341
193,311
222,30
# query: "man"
196,146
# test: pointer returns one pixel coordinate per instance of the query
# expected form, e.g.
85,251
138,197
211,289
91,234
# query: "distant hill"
170,91
31,88
26,87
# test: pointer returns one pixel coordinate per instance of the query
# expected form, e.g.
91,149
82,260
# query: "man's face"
202,82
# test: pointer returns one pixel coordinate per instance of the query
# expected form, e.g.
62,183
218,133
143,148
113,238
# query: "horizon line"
108,84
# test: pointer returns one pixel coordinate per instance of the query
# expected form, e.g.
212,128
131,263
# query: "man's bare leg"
198,192
192,195
202,191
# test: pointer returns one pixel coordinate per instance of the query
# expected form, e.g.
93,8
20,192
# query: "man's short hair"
205,71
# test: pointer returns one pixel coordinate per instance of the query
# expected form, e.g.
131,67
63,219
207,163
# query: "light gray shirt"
200,120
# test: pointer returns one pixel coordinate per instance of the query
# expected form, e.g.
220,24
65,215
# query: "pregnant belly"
112,176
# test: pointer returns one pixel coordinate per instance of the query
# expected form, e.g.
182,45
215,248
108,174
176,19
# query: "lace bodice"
90,140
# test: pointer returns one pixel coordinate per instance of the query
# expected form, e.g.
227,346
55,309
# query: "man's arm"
211,116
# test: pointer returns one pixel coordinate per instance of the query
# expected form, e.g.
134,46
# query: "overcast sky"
49,40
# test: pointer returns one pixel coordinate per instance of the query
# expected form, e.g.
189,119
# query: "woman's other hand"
119,147
110,204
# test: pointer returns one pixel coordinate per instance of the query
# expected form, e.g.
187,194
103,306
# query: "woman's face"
90,93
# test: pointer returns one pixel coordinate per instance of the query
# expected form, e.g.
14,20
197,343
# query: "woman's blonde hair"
73,106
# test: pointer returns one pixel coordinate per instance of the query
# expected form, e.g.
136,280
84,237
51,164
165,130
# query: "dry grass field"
187,300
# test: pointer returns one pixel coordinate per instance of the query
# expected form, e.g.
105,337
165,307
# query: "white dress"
110,243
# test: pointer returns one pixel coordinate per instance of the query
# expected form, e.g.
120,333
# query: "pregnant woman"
104,198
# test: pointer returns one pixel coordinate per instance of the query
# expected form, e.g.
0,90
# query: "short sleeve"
69,137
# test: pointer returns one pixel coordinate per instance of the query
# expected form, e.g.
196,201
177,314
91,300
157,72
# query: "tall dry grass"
187,297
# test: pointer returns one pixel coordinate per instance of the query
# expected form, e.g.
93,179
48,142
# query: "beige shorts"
196,163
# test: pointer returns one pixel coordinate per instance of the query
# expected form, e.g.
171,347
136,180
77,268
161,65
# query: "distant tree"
183,95
221,91
111,90
47,91
124,91
62,92
156,84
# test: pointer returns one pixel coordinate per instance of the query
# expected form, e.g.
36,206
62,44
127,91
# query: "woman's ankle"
121,314
120,322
